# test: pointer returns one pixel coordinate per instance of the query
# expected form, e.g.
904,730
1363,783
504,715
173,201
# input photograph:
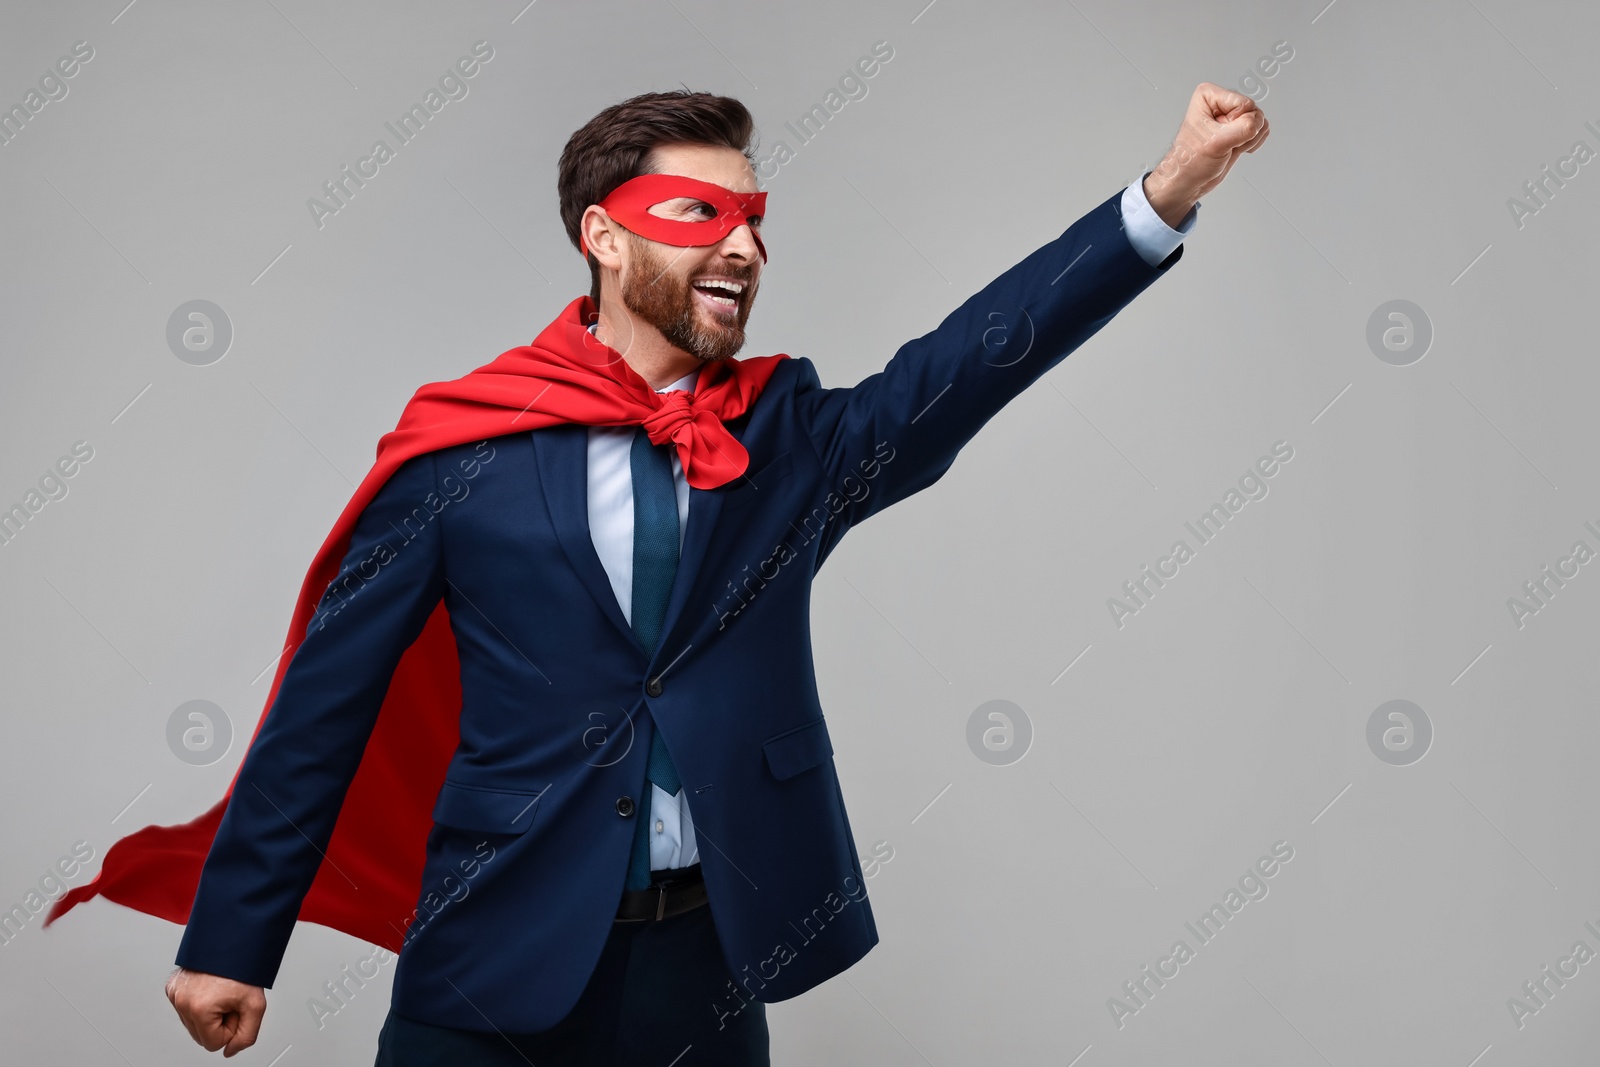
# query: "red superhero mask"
629,204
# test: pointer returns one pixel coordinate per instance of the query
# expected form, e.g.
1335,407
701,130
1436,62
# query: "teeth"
732,287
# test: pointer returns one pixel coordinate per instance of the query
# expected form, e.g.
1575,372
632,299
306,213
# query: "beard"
667,301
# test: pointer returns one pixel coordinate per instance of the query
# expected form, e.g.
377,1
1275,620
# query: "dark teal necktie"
655,563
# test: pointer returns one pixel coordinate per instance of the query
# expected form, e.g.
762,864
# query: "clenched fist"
218,1012
1219,125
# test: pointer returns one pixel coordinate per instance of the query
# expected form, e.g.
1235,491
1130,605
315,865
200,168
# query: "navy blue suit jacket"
559,700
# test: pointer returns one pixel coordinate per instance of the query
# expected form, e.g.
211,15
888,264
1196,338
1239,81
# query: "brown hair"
616,145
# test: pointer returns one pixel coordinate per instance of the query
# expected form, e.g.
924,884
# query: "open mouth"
720,295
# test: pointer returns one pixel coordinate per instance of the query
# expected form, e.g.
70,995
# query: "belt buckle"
661,904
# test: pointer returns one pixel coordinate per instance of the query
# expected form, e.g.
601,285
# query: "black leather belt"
671,892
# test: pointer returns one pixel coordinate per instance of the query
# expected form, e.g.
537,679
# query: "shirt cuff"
1152,238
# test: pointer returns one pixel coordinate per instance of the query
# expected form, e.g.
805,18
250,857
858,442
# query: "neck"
641,345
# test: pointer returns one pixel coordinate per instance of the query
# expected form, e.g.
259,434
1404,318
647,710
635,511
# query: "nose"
742,241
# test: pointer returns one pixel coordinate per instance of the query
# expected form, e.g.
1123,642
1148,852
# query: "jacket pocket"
798,749
488,811
746,489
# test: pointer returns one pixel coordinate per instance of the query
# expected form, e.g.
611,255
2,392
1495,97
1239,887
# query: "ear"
601,236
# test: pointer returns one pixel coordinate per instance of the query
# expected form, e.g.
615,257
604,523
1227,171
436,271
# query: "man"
606,588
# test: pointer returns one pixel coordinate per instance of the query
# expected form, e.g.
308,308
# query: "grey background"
1230,713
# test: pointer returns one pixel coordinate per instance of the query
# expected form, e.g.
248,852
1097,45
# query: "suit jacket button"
624,806
654,687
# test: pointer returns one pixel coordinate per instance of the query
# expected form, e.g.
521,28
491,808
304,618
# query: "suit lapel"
704,507
562,453
563,459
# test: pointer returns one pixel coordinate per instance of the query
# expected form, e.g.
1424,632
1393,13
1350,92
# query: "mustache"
747,275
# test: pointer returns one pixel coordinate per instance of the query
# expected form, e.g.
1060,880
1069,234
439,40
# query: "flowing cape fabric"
566,375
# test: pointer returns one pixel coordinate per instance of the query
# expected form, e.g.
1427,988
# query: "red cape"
566,375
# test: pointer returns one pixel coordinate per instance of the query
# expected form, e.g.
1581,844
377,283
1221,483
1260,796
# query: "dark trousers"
659,996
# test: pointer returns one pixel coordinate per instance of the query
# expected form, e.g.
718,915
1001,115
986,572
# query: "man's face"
685,292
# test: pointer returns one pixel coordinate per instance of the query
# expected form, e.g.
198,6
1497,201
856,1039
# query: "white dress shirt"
610,452
610,457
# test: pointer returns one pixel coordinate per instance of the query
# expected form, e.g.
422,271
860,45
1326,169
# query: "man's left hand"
1219,125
